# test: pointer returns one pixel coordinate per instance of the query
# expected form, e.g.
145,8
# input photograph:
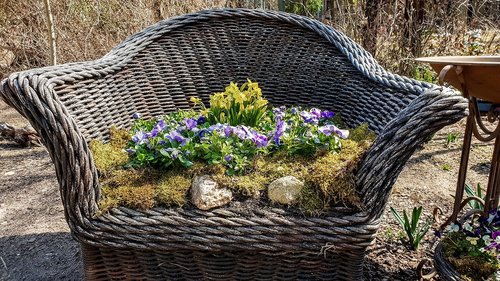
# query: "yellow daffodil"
239,97
195,100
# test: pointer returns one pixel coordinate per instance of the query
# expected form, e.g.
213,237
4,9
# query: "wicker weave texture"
296,60
443,267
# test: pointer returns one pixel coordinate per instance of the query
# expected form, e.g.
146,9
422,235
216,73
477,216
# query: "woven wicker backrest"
292,58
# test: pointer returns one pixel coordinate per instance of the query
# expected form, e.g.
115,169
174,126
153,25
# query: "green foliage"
451,138
413,229
242,105
424,73
304,7
446,167
475,193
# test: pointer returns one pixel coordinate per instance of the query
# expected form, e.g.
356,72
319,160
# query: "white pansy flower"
487,239
452,228
472,240
467,226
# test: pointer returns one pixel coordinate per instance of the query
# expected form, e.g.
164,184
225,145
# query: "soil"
35,243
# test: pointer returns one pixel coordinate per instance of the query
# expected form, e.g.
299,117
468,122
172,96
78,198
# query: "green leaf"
397,216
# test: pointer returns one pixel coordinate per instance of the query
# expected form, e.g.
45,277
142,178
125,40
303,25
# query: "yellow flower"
195,100
261,102
217,100
239,97
232,88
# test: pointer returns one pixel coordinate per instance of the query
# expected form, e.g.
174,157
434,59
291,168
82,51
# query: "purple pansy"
239,132
130,150
136,115
201,120
327,114
316,112
190,123
227,130
280,129
228,157
140,137
259,140
329,129
158,128
308,117
175,136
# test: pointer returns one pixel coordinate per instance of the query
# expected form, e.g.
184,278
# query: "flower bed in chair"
298,61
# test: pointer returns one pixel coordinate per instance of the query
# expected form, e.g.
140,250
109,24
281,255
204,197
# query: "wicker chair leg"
351,265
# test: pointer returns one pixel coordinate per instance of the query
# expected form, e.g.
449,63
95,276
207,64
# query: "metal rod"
492,192
462,173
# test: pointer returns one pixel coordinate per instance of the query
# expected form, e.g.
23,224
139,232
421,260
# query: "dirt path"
35,243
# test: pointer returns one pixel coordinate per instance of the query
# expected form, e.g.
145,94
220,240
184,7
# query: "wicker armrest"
414,125
32,94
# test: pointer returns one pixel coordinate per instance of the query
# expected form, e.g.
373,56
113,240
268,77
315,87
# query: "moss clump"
312,201
362,135
172,189
118,137
466,258
333,174
136,197
109,156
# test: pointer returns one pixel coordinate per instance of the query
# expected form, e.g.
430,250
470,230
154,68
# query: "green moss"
311,201
109,156
173,188
118,137
362,135
135,197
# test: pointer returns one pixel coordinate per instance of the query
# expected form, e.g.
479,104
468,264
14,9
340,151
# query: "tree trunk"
470,11
414,14
370,31
51,33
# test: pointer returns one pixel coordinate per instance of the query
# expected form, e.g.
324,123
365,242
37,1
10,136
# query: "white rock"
206,193
285,190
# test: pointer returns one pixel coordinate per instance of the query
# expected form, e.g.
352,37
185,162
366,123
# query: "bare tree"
370,30
51,33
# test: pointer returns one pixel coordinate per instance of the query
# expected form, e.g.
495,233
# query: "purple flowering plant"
477,237
200,134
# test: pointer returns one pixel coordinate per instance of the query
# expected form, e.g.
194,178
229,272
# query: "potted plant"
469,249
238,146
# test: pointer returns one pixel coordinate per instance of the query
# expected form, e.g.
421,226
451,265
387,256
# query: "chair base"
129,264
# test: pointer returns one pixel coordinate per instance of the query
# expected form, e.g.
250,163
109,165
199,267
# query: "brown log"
23,136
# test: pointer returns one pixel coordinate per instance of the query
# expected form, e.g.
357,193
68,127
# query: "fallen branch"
24,136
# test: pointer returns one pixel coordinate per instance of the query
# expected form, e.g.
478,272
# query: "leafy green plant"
424,73
446,167
450,138
413,229
475,193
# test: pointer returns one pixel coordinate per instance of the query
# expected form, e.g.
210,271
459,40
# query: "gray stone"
285,190
206,193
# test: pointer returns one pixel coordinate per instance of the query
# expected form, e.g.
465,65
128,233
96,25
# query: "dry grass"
87,29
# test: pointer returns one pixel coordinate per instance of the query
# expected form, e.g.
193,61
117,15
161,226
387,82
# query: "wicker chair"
296,60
